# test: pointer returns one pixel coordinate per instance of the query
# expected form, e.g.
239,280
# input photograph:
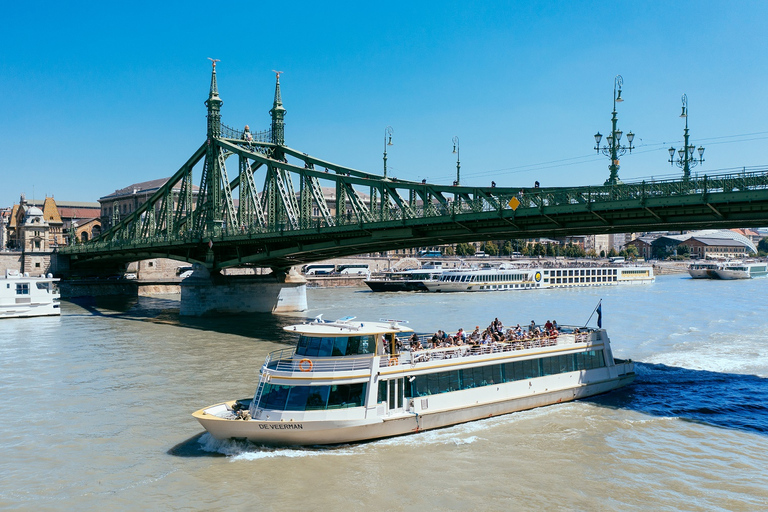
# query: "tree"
592,253
612,253
632,253
506,249
448,251
762,246
602,253
490,248
683,250
538,249
464,249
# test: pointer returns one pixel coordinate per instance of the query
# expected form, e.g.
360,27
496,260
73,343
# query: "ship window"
22,289
307,398
340,346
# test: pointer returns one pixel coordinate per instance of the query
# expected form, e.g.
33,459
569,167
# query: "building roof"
145,187
50,211
66,204
718,242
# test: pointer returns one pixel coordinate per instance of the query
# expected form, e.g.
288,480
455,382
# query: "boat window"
309,398
22,289
335,345
443,382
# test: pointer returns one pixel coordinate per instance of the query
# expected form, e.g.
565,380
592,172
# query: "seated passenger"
548,325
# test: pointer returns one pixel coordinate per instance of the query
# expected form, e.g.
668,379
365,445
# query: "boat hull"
396,286
537,393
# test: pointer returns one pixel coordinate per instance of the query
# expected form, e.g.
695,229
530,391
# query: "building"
715,248
126,200
709,243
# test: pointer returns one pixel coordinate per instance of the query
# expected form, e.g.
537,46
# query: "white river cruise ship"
22,295
506,279
348,381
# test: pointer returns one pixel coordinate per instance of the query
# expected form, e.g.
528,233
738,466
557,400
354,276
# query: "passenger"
461,334
475,334
548,325
554,325
532,326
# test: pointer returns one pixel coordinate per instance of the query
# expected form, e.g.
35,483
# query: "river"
97,402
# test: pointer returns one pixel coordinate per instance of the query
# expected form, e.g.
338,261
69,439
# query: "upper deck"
412,353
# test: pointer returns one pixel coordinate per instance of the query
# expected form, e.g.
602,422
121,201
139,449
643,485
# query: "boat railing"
409,355
286,360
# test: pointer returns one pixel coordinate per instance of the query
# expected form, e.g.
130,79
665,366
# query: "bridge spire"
278,113
214,104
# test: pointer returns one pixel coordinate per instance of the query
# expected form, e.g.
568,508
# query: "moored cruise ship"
22,295
704,269
406,280
348,381
747,270
505,279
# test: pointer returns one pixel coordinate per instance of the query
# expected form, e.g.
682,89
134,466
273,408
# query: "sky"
97,96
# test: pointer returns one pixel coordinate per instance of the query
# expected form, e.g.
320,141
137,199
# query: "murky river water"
96,410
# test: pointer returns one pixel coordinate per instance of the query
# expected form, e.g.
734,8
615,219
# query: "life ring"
303,368
392,361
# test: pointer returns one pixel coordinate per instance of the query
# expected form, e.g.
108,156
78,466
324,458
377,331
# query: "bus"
617,259
361,269
317,269
430,254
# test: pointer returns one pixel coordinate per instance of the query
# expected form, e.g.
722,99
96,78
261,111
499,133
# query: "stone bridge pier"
279,292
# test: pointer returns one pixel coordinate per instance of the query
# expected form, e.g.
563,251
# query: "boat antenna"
599,311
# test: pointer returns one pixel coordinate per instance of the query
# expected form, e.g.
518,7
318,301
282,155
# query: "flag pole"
593,312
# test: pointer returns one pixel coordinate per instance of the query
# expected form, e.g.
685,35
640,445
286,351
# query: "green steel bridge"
290,220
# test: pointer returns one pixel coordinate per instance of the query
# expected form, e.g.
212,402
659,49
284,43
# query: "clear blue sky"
96,96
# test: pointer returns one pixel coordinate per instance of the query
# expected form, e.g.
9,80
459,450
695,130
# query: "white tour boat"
704,269
411,280
505,279
348,381
22,295
746,270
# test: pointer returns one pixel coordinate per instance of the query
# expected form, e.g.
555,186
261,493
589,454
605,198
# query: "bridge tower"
278,115
210,213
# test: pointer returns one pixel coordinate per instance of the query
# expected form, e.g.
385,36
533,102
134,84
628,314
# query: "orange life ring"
301,365
392,361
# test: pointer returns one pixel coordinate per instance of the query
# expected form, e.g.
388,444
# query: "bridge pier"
204,294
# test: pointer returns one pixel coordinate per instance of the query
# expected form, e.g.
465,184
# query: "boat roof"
348,326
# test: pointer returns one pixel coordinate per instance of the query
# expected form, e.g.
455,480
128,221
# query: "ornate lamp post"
387,142
685,159
614,149
458,163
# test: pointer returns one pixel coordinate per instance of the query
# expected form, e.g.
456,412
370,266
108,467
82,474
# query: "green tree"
612,253
683,250
449,251
506,249
602,253
632,253
762,246
490,248
538,249
592,253
464,249
526,250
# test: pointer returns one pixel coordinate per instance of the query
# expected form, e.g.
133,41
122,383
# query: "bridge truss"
263,203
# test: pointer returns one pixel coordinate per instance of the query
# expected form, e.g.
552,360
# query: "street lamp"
685,159
458,164
614,149
387,142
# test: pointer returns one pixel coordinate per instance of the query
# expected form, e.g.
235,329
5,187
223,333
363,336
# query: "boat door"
395,396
